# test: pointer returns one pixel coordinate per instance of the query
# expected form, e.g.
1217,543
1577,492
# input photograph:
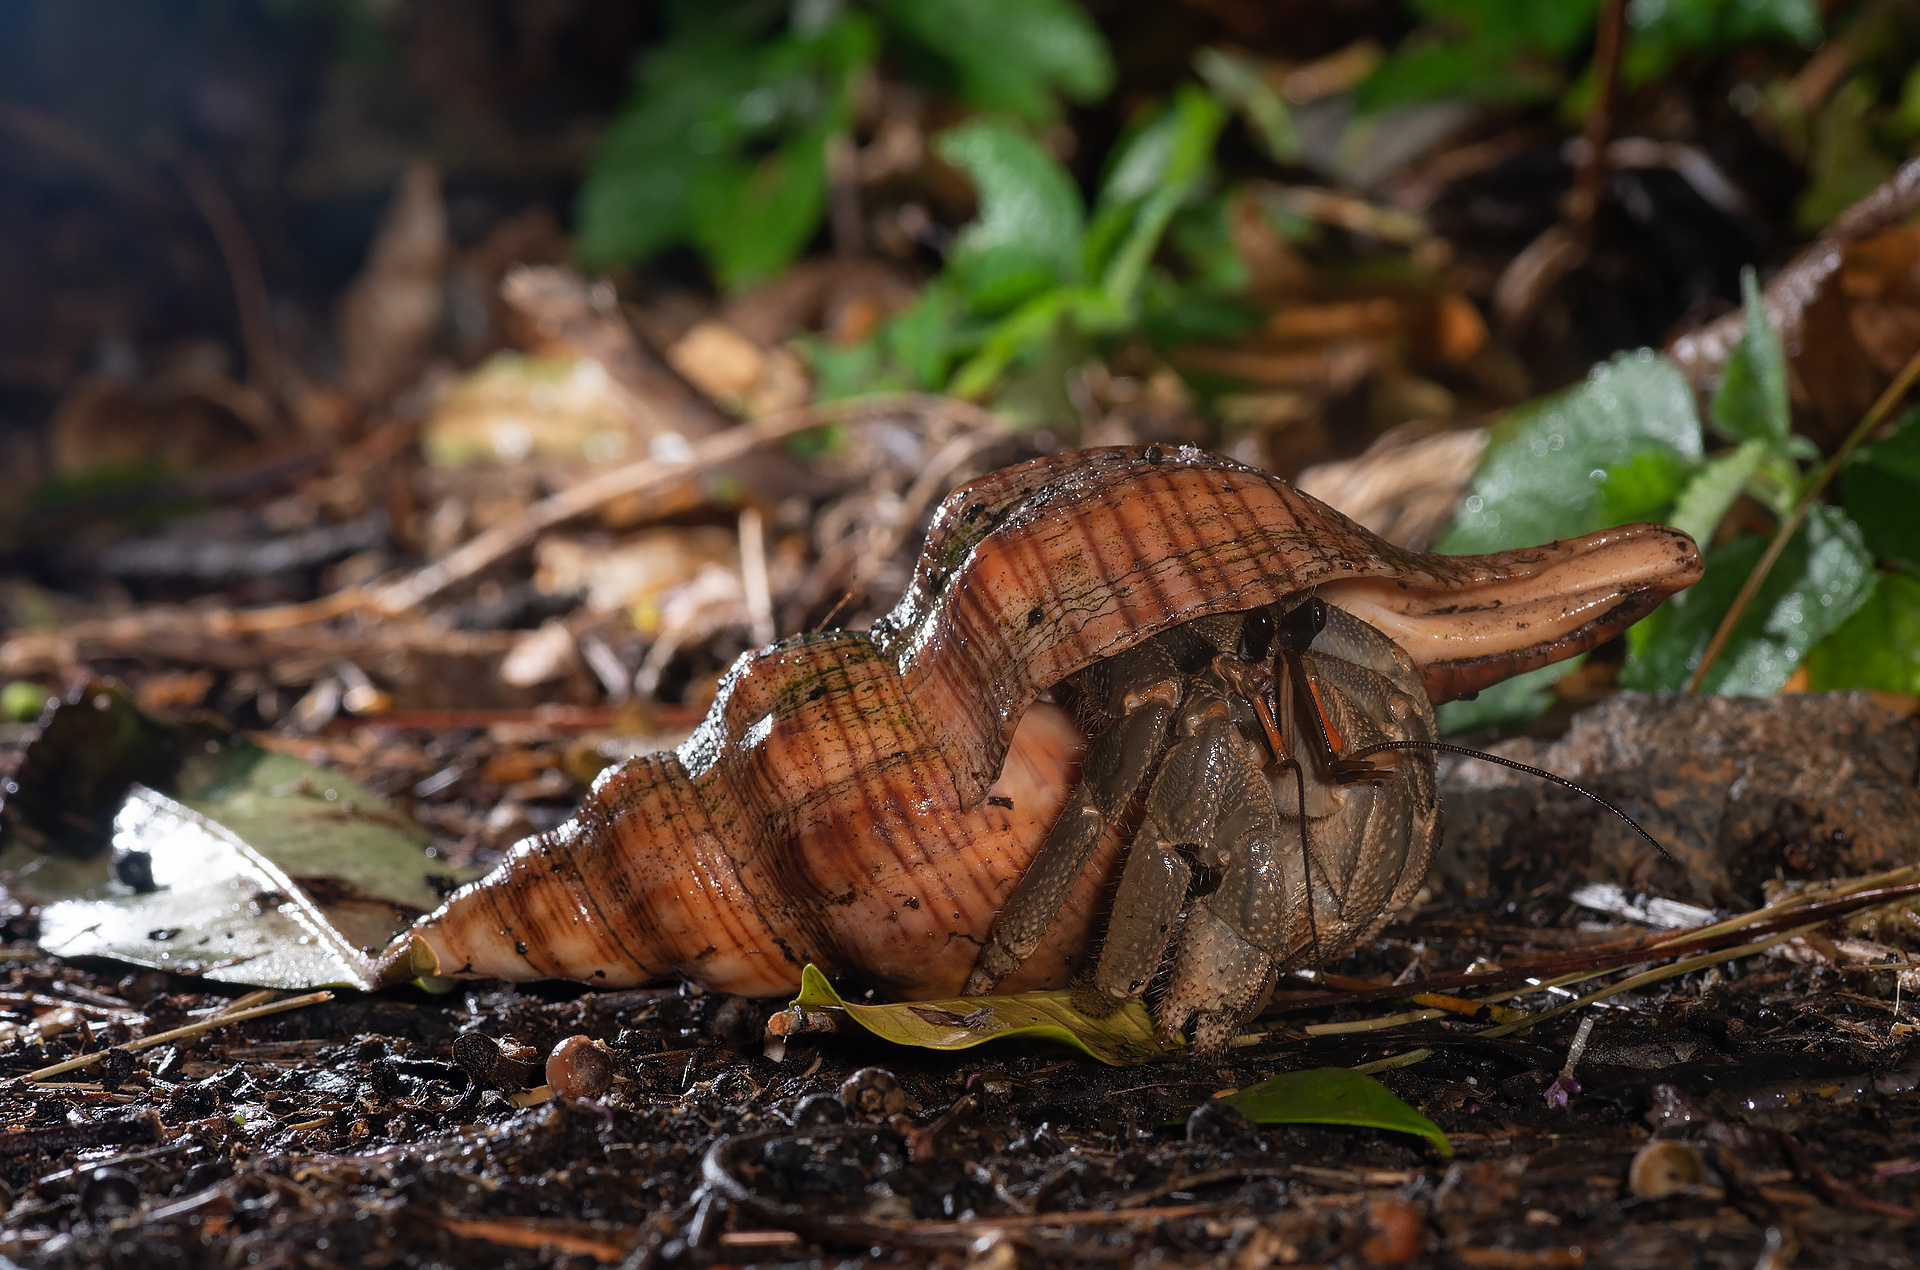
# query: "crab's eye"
1302,623
1256,636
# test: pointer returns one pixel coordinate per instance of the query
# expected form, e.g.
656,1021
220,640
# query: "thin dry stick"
1684,966
645,477
1607,39
191,1029
1791,525
250,297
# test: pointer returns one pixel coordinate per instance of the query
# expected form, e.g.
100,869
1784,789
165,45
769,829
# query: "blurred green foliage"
1627,445
723,143
1534,50
1038,273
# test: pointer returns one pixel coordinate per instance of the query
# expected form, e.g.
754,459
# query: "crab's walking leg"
1144,690
1182,812
1226,963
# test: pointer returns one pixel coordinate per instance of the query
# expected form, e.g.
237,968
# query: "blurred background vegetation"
1333,238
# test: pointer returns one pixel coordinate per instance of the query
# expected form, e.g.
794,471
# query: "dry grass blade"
645,477
1791,525
1775,923
192,1029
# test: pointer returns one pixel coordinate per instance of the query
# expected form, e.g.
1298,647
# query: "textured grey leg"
1181,809
1114,768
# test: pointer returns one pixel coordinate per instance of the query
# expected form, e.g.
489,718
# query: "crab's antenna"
1306,863
1467,752
839,607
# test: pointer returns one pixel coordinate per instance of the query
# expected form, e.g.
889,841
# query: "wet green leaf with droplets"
1878,647
1881,489
1824,575
1547,462
1751,402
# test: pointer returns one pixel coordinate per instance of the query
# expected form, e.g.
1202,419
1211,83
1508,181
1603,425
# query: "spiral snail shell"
866,801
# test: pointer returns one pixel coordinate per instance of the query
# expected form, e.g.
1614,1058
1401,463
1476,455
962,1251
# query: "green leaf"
1011,55
1823,576
1120,1039
263,870
1238,82
1704,502
1844,164
1878,647
1546,463
1155,175
1751,401
1662,31
1509,704
1029,234
722,143
1881,490
1334,1095
1643,487
674,131
927,336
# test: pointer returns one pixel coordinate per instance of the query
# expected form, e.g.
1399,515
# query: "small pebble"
488,1062
818,1109
1398,1233
1222,1126
873,1093
994,1250
580,1067
736,1022
109,1193
1663,1167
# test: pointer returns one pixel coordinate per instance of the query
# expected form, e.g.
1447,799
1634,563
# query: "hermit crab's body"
870,802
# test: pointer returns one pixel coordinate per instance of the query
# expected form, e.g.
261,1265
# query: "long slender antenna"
1465,752
1306,864
839,606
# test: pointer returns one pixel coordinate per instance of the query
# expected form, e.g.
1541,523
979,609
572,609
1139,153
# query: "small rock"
873,1093
736,1022
1398,1232
1222,1126
488,1062
1664,1167
580,1067
818,1109
109,1193
1734,787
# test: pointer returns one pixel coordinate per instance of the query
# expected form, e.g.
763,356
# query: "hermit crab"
1145,716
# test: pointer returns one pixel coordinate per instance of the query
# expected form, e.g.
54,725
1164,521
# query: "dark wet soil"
1763,1112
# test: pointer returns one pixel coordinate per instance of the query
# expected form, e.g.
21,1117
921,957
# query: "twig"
264,366
1837,900
1702,352
515,1234
191,1029
931,483
753,577
1791,525
1684,966
644,477
1565,244
1607,38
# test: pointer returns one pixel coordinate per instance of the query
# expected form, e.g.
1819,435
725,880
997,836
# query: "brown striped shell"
865,800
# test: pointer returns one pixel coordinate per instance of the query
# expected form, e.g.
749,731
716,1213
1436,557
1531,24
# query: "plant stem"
1791,525
191,1029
